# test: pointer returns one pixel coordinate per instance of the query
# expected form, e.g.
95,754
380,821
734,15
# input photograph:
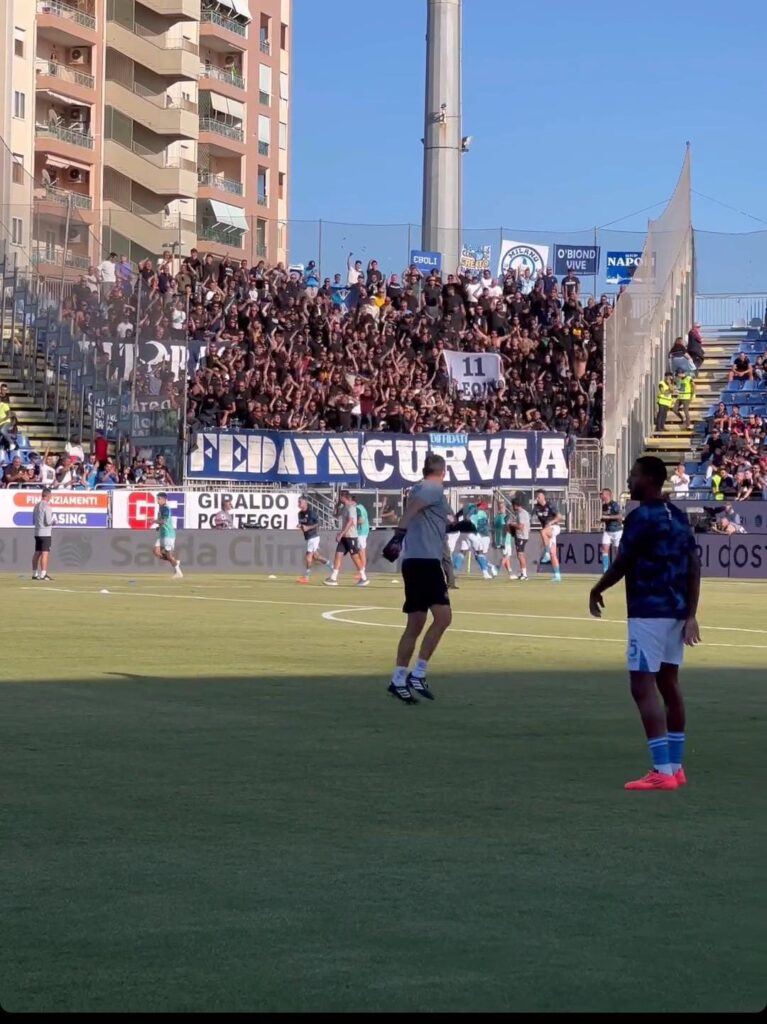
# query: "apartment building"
142,126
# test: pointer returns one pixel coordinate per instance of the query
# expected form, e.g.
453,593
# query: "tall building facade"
137,127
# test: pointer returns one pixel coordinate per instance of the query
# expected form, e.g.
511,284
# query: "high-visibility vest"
665,393
684,389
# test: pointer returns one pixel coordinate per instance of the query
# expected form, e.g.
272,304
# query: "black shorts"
425,584
520,544
348,546
42,543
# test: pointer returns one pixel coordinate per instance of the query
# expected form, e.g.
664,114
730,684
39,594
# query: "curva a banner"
378,459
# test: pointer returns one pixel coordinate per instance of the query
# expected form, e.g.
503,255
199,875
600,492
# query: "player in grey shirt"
42,520
519,529
420,538
348,542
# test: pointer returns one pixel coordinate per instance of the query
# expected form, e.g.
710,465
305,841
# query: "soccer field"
211,803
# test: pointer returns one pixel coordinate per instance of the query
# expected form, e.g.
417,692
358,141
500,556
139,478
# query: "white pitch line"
393,608
334,617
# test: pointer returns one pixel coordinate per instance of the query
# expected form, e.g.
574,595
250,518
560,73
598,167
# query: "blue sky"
579,116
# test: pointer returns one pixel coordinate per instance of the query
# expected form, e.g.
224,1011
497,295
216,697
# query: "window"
283,36
18,169
284,86
17,230
18,41
263,190
281,184
19,104
283,135
264,84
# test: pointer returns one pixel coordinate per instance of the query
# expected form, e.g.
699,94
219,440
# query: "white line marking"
334,616
380,608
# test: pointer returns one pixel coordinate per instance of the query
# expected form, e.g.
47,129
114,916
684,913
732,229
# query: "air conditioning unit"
75,174
78,114
79,55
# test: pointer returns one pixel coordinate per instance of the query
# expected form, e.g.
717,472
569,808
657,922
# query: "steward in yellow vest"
665,400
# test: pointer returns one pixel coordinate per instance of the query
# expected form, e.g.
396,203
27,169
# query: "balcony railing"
263,200
264,98
263,148
217,233
165,42
214,18
61,195
64,73
222,75
162,159
62,10
261,249
265,47
210,124
54,131
166,221
162,99
205,177
54,254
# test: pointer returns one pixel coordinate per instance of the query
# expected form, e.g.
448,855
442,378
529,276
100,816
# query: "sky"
579,115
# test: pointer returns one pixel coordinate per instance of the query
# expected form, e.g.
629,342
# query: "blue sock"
482,562
605,562
457,561
659,754
676,750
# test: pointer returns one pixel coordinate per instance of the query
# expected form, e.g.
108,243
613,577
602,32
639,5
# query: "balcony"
53,255
263,200
222,139
49,74
64,142
152,231
209,179
172,56
226,75
66,23
263,148
63,196
173,178
223,239
155,110
222,33
187,10
265,47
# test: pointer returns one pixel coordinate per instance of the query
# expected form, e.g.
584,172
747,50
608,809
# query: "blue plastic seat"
734,385
699,482
750,385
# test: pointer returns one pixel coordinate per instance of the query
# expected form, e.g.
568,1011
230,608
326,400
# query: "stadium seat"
753,334
699,481
734,385
750,385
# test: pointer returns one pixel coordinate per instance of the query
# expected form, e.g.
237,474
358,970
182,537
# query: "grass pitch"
210,803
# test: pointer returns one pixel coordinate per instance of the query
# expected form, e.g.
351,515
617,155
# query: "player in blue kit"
658,559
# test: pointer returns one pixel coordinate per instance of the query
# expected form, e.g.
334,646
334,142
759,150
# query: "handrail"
265,46
63,10
61,195
163,100
228,23
206,177
65,135
164,42
228,75
64,72
158,159
210,124
43,253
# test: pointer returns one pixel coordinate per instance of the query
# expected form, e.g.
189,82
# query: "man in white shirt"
526,282
74,450
106,271
680,482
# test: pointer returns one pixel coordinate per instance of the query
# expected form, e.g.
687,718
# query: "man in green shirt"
363,529
166,537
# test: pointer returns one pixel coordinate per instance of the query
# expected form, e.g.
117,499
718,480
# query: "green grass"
210,803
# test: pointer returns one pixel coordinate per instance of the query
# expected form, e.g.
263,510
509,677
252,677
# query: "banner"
137,510
581,259
259,509
474,258
70,508
426,261
475,374
377,459
621,266
523,256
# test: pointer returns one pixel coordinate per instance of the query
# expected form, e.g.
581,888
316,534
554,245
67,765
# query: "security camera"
466,142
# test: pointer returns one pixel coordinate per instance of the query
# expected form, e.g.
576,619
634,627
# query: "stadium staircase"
37,418
682,444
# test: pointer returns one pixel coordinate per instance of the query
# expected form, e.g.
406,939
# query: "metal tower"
442,140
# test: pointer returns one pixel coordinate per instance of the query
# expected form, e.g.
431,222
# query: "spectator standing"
42,519
101,448
664,400
695,348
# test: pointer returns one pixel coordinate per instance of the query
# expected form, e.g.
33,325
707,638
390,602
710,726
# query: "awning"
60,98
57,161
241,8
225,105
226,3
228,216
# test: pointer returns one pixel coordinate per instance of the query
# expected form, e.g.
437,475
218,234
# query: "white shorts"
554,531
613,539
653,642
470,542
508,545
312,545
483,544
166,543
362,542
452,540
